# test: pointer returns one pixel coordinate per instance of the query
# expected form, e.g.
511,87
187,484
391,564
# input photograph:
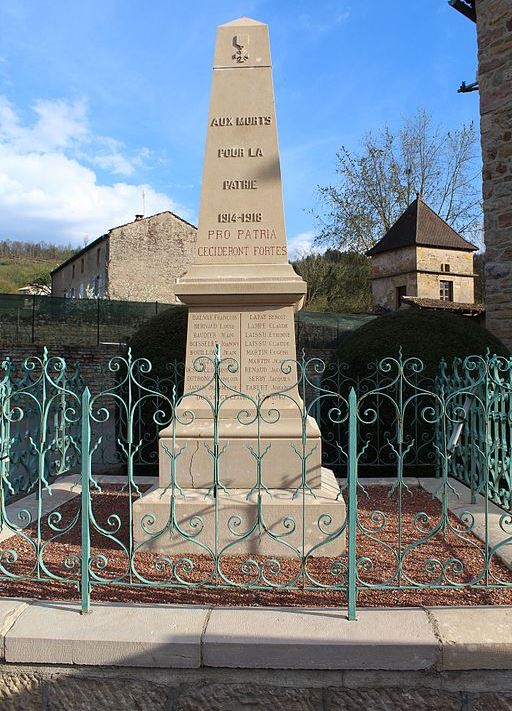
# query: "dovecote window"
446,290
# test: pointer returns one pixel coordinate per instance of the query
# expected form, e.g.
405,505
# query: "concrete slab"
10,610
111,634
288,638
474,638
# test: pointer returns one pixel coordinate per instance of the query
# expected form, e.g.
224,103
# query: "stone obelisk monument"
241,293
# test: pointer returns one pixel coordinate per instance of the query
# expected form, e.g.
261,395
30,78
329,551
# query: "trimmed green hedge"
429,335
162,339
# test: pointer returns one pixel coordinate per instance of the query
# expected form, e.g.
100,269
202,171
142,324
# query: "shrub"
429,335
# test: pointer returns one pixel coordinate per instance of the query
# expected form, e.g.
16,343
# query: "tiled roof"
420,225
424,303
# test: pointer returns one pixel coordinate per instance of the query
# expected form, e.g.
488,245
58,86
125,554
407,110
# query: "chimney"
139,217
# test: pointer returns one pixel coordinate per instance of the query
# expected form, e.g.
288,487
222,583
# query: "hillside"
22,263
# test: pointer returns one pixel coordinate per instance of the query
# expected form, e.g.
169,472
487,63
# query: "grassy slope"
20,272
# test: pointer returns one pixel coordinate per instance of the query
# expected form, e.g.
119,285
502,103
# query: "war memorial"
269,531
241,293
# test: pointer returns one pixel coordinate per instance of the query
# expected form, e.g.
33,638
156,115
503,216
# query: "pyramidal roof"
420,225
242,22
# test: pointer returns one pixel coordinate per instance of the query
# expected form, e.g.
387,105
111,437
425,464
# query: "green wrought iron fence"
482,395
390,539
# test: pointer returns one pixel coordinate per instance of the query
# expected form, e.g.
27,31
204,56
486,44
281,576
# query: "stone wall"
139,261
25,688
93,361
146,257
494,22
420,270
396,261
384,289
80,273
433,260
463,287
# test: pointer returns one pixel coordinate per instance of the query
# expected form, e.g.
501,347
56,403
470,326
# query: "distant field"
15,274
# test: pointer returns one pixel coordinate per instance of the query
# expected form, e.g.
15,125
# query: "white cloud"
48,189
302,244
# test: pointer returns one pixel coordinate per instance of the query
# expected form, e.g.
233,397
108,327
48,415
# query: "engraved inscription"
267,341
241,121
240,184
224,217
205,330
241,250
239,152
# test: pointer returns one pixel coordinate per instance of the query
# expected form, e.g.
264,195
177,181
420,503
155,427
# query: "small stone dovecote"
422,256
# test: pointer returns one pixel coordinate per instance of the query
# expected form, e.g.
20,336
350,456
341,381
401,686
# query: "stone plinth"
282,516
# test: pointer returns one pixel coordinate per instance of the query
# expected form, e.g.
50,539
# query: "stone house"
493,20
139,261
422,256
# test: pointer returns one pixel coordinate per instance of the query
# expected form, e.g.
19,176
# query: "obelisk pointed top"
242,43
242,22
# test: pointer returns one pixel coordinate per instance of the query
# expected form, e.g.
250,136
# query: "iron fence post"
85,502
352,504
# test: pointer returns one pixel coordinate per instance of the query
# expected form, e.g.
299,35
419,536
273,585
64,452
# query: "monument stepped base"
280,507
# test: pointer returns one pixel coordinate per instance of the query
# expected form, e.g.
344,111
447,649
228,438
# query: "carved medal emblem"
240,42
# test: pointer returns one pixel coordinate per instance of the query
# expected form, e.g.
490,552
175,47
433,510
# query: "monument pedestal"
241,462
239,523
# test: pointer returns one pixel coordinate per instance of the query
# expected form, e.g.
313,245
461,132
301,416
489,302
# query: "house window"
400,291
82,265
73,271
445,267
98,253
446,290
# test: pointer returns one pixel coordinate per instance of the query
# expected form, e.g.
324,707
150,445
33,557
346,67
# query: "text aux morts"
241,121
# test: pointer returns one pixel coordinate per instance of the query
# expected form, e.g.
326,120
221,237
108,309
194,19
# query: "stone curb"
181,637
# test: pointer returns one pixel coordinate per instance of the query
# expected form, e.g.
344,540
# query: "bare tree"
377,183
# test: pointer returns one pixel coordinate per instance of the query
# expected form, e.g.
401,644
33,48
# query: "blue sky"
102,99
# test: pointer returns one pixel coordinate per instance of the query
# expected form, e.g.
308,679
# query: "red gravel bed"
420,567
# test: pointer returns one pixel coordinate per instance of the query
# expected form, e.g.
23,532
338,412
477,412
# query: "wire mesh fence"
55,320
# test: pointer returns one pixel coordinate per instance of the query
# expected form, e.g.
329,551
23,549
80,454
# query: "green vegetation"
428,335
162,339
23,263
337,281
377,181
